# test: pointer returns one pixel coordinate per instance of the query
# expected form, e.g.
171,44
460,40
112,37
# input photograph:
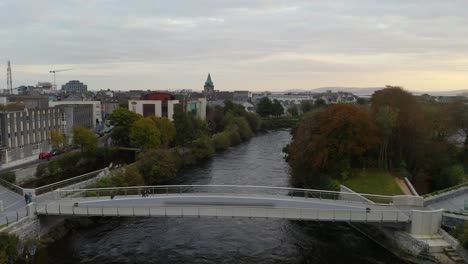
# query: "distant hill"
370,90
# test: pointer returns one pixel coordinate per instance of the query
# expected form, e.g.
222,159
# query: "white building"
96,105
153,107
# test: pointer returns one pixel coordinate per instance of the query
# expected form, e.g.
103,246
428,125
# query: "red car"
45,155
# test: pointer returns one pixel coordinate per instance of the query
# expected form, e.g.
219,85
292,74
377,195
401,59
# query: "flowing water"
221,240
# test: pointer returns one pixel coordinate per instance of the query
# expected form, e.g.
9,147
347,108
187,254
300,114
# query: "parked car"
56,152
45,155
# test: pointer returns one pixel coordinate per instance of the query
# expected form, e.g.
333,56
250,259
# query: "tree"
184,127
458,109
167,129
293,111
56,139
145,134
157,166
328,143
306,106
8,248
408,138
85,139
123,120
221,141
265,107
320,103
277,108
386,122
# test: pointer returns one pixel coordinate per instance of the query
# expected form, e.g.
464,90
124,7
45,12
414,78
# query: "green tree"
202,148
306,106
167,129
123,120
56,139
221,141
265,107
293,111
85,139
320,103
277,108
408,138
157,166
386,120
184,127
145,134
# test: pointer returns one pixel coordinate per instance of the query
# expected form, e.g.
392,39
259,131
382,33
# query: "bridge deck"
227,205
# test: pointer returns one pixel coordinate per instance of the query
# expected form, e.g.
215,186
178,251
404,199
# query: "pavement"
14,206
454,204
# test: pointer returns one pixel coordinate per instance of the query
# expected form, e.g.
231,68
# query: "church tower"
209,89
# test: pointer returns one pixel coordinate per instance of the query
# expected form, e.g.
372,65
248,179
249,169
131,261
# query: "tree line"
397,132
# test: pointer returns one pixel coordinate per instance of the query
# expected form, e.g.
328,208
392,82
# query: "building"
208,90
75,86
242,96
30,102
198,107
25,133
154,104
95,116
75,115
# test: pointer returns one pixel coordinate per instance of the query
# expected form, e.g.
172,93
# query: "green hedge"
8,176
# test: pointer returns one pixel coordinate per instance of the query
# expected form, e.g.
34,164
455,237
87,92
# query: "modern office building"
75,115
75,86
95,117
25,133
154,104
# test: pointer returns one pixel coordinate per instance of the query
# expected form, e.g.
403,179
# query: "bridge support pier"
425,222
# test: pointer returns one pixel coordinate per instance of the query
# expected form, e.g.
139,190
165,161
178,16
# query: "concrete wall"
408,200
425,222
444,196
26,174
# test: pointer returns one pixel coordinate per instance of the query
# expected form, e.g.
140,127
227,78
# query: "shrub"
8,176
221,141
8,251
157,166
450,176
202,148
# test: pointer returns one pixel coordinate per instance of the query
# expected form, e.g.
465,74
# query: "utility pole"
9,79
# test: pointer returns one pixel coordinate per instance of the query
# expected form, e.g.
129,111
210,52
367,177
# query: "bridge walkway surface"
14,206
166,203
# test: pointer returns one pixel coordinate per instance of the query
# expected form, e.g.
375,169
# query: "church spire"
209,82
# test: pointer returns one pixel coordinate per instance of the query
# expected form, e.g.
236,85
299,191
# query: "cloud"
175,43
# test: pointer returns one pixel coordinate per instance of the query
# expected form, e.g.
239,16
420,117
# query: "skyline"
245,45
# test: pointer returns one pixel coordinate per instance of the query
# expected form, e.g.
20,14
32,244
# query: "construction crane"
55,71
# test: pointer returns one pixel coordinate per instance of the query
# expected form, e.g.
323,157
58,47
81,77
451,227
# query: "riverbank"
258,161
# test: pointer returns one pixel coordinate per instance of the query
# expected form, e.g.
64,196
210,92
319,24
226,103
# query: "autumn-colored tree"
329,143
166,128
56,139
145,134
85,139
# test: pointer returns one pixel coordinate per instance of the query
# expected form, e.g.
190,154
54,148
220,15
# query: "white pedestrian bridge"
242,201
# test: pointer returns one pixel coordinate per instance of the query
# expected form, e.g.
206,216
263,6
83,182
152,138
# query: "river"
221,240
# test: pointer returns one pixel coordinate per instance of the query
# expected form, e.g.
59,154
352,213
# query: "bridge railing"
65,183
227,190
8,218
348,215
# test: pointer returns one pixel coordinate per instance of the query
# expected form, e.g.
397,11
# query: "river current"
221,240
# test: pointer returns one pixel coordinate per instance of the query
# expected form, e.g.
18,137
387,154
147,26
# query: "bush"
202,148
221,141
8,252
450,176
243,128
157,166
8,176
234,137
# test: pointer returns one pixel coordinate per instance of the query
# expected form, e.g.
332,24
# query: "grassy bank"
373,182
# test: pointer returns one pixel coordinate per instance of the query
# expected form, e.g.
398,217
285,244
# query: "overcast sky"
245,44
